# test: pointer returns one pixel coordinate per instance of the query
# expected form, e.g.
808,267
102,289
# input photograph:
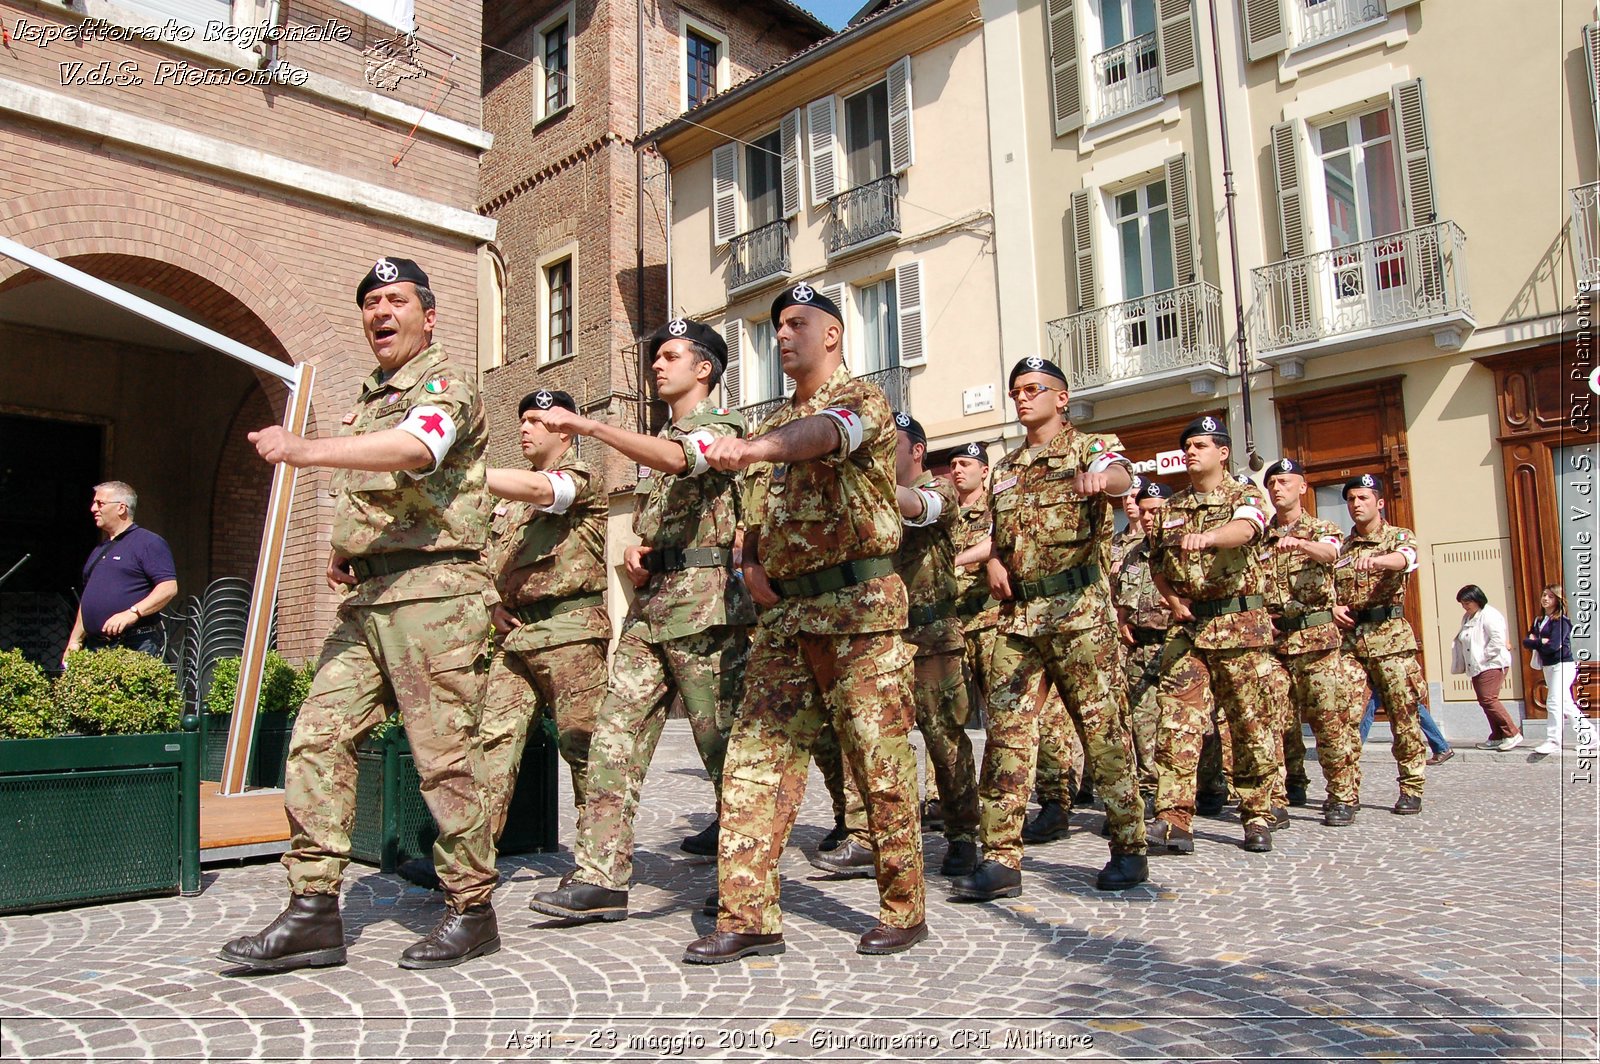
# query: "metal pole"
1229,194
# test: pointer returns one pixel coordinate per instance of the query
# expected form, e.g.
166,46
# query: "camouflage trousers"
1085,668
861,683
1142,664
706,670
1325,691
939,688
1398,682
569,683
980,648
428,660
1061,753
1240,683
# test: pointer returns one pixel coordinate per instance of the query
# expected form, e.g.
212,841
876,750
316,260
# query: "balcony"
865,215
893,381
1391,288
1142,344
1320,20
760,255
1586,233
1125,78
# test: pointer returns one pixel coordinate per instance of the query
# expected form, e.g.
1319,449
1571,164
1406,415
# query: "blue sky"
834,12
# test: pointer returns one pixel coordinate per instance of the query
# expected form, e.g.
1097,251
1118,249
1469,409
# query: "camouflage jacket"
841,507
1380,587
696,508
925,562
972,581
1296,585
1136,589
1043,527
1213,575
543,557
443,509
1124,541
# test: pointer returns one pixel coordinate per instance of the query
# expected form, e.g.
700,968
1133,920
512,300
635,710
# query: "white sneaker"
1547,747
1511,743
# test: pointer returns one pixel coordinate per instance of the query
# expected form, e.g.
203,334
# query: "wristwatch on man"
135,611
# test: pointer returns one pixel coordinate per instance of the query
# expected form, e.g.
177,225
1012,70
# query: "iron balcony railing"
1586,233
1155,334
893,381
864,215
1126,77
1406,278
758,255
1321,19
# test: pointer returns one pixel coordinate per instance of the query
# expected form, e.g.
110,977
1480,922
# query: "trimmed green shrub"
283,687
117,691
26,708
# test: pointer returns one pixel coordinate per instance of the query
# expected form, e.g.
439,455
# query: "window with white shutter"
732,373
1085,355
902,146
789,134
824,149
1177,34
909,305
724,192
1416,157
1185,245
1292,307
1066,85
1264,31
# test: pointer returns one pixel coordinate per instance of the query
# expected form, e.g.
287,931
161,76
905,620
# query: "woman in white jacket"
1482,652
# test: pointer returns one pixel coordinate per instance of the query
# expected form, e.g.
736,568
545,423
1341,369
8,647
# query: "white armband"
563,487
1409,553
932,507
1105,462
850,424
694,448
1252,514
435,428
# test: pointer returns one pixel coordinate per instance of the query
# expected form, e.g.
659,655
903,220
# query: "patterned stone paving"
1468,933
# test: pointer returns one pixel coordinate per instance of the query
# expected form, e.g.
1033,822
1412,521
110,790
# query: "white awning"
401,14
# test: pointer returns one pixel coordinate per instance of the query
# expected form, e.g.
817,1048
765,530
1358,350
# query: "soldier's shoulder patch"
1005,485
436,386
1401,535
721,411
1096,445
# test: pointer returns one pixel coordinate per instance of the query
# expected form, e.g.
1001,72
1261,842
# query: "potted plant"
99,789
283,689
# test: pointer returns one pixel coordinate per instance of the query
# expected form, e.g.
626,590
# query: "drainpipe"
1257,463
638,215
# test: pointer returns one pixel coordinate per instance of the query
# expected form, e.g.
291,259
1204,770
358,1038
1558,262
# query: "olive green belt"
1062,583
1302,622
836,577
1379,613
1145,637
1223,607
545,609
918,616
368,566
677,559
974,603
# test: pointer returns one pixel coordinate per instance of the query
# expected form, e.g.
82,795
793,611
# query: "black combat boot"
1123,871
1051,822
703,843
833,839
992,880
583,902
960,859
308,934
459,936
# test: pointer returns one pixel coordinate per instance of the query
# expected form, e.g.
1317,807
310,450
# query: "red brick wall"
241,488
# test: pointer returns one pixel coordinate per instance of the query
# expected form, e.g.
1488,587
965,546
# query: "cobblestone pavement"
1468,933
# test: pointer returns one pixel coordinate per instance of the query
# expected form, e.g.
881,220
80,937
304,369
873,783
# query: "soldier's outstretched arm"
804,440
976,554
388,451
523,485
662,455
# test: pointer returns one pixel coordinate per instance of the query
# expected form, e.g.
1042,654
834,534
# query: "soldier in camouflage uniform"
1207,569
688,630
1049,569
1142,619
928,509
1370,578
410,519
1299,553
547,551
819,556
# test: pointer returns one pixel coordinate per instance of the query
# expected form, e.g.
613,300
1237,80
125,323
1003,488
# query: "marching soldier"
1299,552
409,525
1370,577
1207,569
1049,566
1142,619
688,630
819,556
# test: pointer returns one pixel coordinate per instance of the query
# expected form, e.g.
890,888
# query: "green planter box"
393,824
270,753
95,818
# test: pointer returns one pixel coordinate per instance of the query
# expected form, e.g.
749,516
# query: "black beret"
1280,467
1206,425
1365,480
1035,364
387,271
1244,478
543,400
911,427
1152,489
974,450
803,295
684,329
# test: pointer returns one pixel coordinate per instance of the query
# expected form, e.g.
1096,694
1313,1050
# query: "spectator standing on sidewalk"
1550,639
127,580
1481,651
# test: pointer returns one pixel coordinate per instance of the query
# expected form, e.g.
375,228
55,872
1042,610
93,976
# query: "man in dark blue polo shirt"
127,579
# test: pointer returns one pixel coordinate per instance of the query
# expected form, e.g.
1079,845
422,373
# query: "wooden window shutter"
902,146
732,381
789,133
724,193
1395,5
1176,35
1180,200
1295,303
824,150
908,306
1066,84
1591,55
1264,31
1416,159
1082,247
